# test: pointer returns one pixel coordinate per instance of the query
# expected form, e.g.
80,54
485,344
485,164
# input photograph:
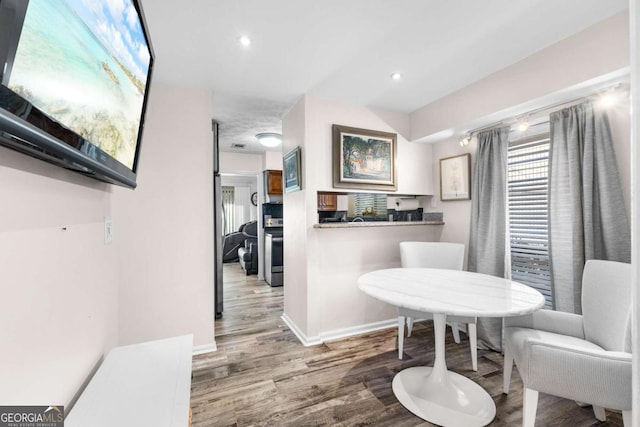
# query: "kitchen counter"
375,224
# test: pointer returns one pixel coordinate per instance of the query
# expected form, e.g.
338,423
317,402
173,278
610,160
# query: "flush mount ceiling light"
269,139
245,41
396,76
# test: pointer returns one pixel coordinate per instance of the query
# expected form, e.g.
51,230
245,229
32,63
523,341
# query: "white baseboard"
358,330
205,348
306,341
337,333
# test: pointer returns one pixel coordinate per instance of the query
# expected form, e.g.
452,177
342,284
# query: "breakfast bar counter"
361,224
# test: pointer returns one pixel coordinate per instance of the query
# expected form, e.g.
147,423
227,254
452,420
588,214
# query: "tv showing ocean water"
90,77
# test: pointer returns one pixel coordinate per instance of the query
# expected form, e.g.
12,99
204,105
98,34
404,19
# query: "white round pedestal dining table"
434,393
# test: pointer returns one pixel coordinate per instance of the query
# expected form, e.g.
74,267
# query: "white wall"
240,162
58,280
322,266
339,257
598,50
164,229
295,219
620,120
272,160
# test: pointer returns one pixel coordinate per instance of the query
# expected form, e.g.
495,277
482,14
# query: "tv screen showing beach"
90,77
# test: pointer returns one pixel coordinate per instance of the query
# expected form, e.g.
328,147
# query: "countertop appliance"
272,212
273,222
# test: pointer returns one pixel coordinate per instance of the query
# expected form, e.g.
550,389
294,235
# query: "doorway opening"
236,217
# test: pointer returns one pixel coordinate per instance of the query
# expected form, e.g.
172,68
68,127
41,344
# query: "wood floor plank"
262,376
354,407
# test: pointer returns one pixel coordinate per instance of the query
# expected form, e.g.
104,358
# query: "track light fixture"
522,123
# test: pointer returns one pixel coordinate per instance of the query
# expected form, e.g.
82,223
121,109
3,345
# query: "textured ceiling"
346,50
240,118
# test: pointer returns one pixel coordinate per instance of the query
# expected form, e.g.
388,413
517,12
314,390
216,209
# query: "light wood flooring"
262,376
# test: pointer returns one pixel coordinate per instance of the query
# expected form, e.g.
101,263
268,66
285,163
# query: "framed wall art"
455,178
292,170
364,159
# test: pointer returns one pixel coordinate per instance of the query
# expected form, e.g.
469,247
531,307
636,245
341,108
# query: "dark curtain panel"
487,238
587,215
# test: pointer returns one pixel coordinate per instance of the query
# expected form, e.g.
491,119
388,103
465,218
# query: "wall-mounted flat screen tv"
75,81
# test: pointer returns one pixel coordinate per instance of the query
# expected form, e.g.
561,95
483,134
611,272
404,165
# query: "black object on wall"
91,120
218,233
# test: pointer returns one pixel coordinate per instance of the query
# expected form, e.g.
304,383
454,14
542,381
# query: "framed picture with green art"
364,159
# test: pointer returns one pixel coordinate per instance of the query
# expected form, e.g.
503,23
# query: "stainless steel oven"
273,259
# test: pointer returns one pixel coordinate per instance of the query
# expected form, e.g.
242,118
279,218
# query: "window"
228,210
528,161
368,204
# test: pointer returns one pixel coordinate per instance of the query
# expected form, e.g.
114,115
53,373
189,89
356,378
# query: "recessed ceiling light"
396,76
245,41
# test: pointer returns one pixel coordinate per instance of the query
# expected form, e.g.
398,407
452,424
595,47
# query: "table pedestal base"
451,400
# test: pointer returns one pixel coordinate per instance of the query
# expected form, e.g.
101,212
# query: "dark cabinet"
273,182
327,202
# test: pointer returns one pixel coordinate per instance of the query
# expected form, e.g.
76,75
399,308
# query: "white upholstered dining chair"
585,357
443,255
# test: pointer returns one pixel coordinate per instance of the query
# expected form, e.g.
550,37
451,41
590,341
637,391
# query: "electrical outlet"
108,230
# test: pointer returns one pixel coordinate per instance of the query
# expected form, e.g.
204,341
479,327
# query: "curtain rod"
548,109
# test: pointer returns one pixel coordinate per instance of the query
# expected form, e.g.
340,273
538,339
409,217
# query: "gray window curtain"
587,216
489,221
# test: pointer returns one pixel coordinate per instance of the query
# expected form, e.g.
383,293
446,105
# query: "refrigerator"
218,233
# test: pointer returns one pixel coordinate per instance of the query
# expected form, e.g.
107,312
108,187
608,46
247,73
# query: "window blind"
228,209
368,202
528,167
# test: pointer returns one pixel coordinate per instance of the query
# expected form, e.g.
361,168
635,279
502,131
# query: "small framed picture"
292,170
455,178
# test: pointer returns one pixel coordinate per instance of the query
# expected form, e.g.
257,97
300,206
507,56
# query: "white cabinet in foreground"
147,384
